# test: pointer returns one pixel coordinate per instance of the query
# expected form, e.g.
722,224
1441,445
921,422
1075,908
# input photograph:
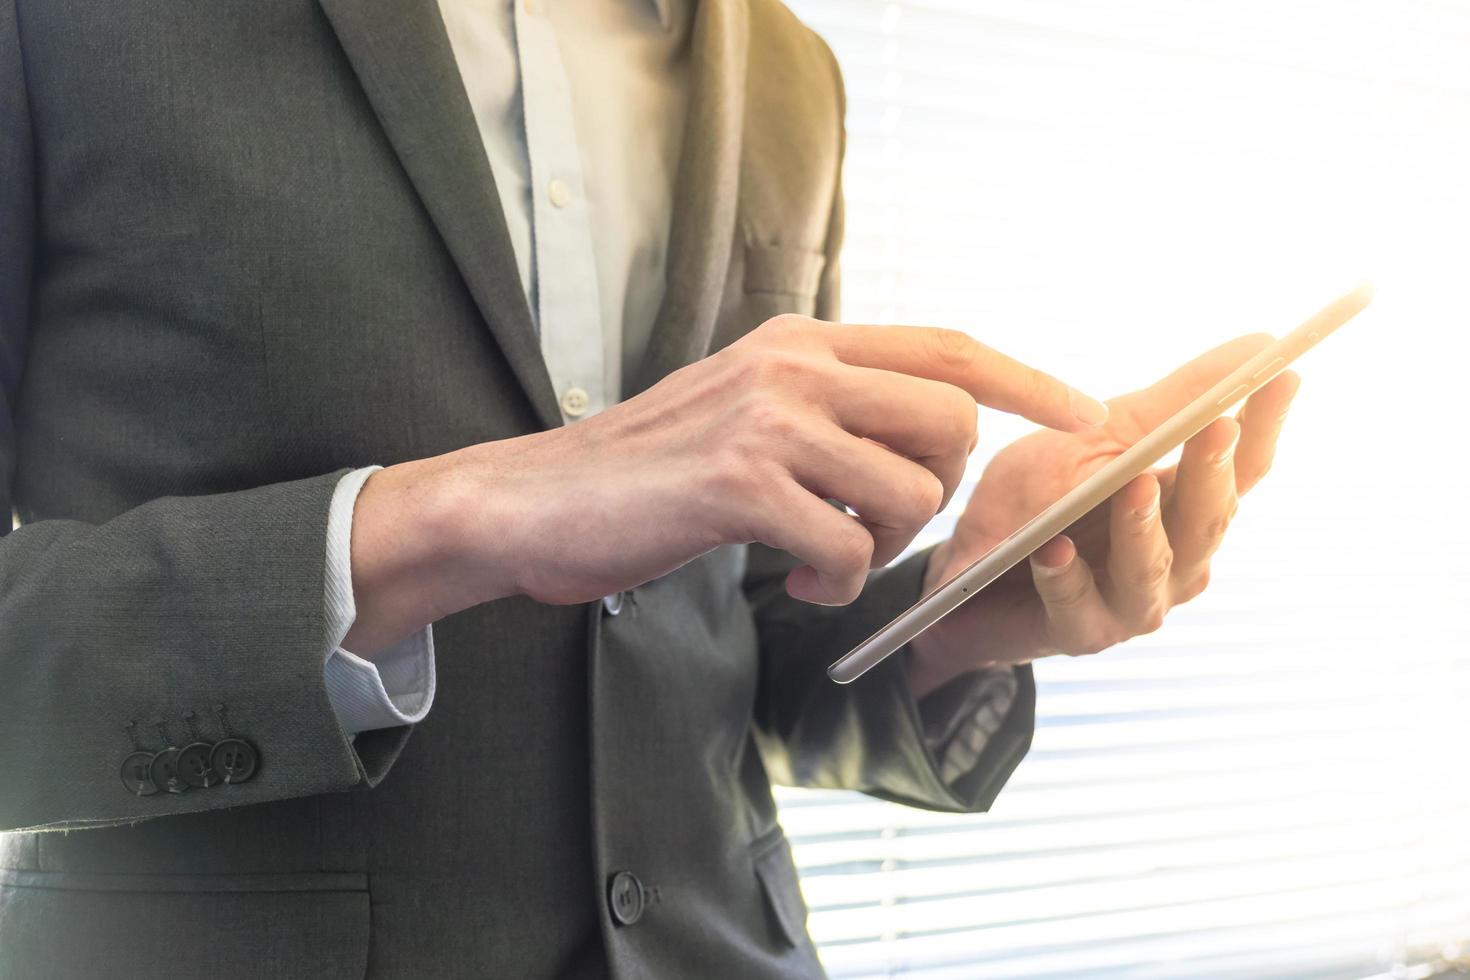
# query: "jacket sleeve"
169,609
866,735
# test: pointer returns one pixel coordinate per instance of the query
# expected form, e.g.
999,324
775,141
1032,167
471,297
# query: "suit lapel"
705,192
401,54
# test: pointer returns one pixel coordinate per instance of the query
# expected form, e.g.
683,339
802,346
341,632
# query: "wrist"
934,658
928,667
416,556
925,667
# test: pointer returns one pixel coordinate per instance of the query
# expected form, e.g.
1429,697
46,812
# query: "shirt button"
574,402
613,603
625,897
559,193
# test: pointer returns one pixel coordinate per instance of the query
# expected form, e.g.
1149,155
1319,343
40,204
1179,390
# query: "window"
1276,783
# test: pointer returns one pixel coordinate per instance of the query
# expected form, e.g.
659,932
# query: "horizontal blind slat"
1273,785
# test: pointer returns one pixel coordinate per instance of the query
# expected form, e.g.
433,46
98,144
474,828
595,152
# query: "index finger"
990,377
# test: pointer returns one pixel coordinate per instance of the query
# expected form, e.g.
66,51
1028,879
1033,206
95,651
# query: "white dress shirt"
580,107
581,110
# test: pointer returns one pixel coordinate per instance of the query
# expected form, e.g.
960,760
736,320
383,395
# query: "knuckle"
1091,644
926,497
963,420
1194,587
1140,529
782,324
1151,621
1107,639
853,551
1214,530
1069,593
760,367
953,349
853,590
738,473
741,363
775,367
1154,573
1038,385
768,420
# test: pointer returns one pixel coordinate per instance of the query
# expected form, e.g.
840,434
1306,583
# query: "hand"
1116,573
743,446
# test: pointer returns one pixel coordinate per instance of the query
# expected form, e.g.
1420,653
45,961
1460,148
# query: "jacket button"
137,774
194,765
165,771
613,603
234,760
625,897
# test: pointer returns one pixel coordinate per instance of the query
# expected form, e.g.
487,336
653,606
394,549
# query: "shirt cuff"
960,718
397,686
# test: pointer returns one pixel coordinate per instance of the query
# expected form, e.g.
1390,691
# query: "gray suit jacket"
244,245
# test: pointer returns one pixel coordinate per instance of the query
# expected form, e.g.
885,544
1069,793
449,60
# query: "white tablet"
1097,488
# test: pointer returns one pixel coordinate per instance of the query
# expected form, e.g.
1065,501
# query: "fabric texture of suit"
246,246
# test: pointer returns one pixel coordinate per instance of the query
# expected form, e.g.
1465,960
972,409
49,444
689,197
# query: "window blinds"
1274,785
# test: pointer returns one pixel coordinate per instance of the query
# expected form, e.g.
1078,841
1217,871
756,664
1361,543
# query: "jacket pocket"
784,270
785,907
61,925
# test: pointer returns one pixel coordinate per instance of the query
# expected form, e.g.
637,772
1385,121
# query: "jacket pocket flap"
270,927
82,881
783,269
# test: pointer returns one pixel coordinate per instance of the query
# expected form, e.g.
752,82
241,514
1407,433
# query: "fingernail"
1147,511
1046,569
1087,410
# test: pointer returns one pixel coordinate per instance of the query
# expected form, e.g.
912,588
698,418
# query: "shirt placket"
565,295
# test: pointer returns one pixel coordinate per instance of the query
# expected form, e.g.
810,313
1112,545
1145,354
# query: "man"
551,265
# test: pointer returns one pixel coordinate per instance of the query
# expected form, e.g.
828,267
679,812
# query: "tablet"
1096,489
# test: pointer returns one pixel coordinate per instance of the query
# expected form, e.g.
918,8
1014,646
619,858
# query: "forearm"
924,671
173,607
